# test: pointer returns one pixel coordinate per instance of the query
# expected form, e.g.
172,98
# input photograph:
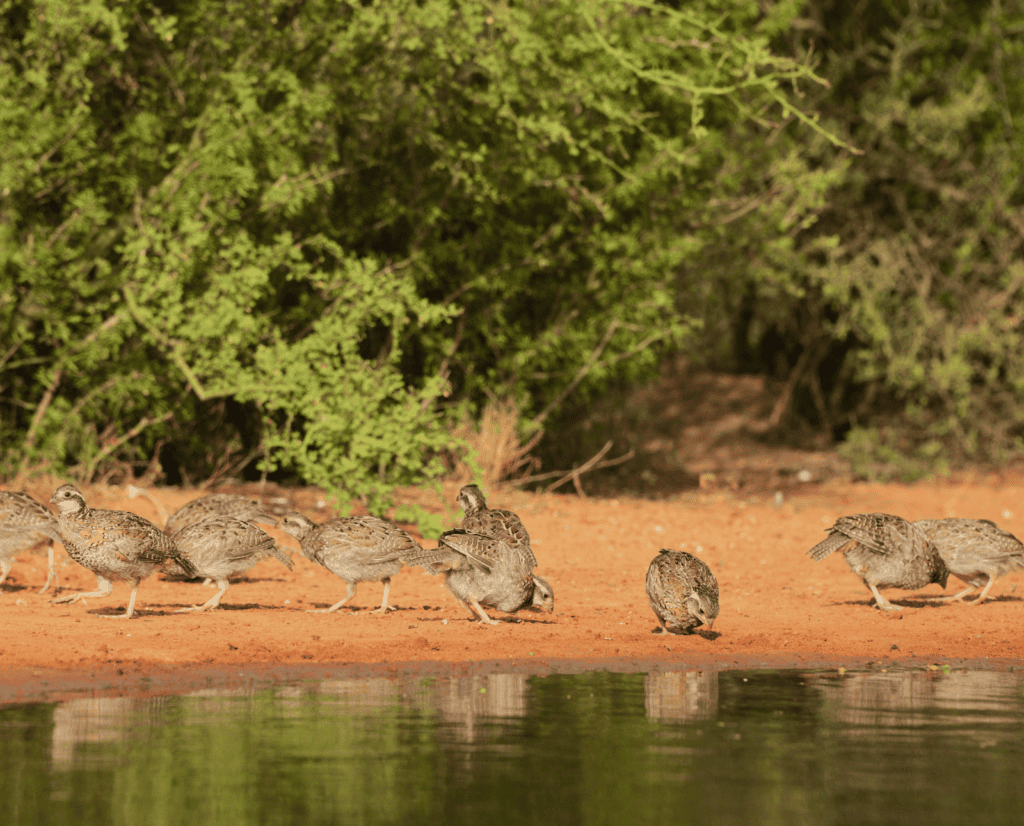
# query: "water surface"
787,747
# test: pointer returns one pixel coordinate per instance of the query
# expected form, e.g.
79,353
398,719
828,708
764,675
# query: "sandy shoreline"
779,609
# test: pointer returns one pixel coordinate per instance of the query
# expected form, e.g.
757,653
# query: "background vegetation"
321,240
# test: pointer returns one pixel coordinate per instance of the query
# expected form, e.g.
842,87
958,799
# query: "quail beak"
710,623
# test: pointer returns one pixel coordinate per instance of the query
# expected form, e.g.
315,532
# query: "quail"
885,551
218,504
24,524
682,591
501,524
484,571
220,547
975,550
112,544
355,548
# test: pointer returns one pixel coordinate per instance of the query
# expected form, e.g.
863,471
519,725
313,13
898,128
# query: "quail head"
113,545
976,551
494,522
482,571
356,548
682,591
885,551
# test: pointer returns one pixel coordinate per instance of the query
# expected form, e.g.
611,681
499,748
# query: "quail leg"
881,601
212,602
475,611
480,611
5,568
51,575
954,598
131,603
384,607
351,593
960,596
105,587
467,606
984,591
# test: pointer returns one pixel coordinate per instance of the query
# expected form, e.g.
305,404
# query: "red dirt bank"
778,608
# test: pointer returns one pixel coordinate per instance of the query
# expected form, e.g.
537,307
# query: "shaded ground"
777,606
692,428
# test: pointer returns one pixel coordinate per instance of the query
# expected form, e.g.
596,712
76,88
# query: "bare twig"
174,352
135,492
521,455
10,352
444,370
782,404
44,402
143,423
227,467
574,474
581,374
593,463
68,135
37,418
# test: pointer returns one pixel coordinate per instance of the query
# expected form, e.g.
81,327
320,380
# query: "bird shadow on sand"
355,610
904,602
500,619
176,610
244,578
929,601
517,620
1000,598
232,579
700,632
242,606
117,612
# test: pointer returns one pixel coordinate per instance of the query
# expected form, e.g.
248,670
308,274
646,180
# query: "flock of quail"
487,562
887,551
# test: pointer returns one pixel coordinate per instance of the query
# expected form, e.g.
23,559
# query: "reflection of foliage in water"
670,746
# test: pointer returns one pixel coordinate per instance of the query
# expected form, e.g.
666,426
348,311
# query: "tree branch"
44,402
594,463
580,375
143,423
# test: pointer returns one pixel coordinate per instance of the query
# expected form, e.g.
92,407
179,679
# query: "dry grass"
495,447
35,482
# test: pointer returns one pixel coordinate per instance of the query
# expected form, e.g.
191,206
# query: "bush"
351,221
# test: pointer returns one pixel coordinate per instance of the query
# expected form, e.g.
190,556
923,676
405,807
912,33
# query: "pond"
925,745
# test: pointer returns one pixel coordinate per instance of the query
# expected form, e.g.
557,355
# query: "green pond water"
668,747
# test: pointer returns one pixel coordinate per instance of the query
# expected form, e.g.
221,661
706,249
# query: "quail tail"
827,546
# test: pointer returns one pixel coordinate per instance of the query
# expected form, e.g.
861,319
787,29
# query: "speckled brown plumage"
484,571
975,550
885,551
220,547
112,544
494,522
25,524
218,504
682,591
355,548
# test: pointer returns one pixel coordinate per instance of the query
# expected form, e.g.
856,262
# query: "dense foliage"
307,237
304,233
886,291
